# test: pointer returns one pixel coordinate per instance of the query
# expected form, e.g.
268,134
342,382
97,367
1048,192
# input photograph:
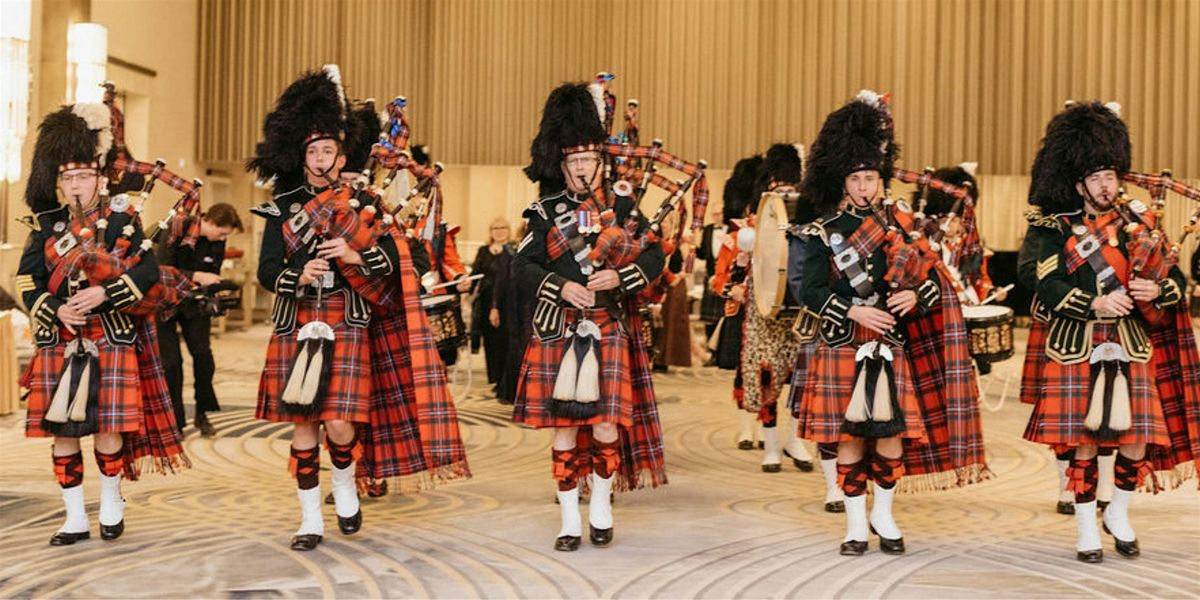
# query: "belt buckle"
846,258
1087,246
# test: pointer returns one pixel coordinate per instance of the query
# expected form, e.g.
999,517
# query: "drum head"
769,267
987,311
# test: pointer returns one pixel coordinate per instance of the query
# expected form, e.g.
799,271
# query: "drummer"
945,223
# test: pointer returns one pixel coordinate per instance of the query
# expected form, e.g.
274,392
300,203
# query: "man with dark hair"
199,261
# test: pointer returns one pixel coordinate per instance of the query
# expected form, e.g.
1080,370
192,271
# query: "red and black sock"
566,468
853,478
606,458
886,471
68,470
343,455
305,466
827,450
1128,473
769,415
1082,477
110,465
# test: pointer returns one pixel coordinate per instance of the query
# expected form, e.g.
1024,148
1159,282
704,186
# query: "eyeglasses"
586,160
82,177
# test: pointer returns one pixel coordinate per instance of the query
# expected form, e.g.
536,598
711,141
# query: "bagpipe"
1151,253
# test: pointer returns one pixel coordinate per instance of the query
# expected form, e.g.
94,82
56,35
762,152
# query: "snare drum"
769,266
990,332
445,322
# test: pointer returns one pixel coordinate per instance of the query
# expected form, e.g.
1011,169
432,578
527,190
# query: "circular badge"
586,269
1079,229
119,203
560,208
836,239
294,208
59,227
623,188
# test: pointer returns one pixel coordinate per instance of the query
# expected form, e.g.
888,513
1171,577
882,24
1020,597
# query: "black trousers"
197,334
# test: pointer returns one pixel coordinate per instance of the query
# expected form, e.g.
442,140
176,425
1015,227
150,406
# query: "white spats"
345,494
600,507
794,446
1064,495
1106,466
745,426
1116,516
77,519
112,505
310,512
568,507
772,452
881,513
856,519
833,491
1087,532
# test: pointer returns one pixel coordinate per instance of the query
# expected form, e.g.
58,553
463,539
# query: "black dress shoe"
350,525
1065,508
567,543
201,422
1090,556
775,468
305,542
378,490
837,506
745,445
853,548
600,537
889,546
112,532
803,465
1126,549
63,538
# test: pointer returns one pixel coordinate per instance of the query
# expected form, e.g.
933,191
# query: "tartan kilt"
831,382
391,439
159,445
1057,418
729,342
712,306
542,360
347,396
1032,380
804,358
119,401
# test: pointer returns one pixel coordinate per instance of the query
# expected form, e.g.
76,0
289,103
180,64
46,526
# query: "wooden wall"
719,79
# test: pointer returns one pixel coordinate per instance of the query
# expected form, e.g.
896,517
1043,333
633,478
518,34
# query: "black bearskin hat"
938,202
420,154
362,133
739,188
573,117
858,136
1085,138
784,164
78,135
312,108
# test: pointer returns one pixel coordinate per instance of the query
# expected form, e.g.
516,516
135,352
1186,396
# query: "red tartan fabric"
1032,380
800,376
1058,418
413,425
831,381
1177,373
120,396
133,398
542,360
347,396
948,392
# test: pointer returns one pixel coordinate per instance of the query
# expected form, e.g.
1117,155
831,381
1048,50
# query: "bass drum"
769,265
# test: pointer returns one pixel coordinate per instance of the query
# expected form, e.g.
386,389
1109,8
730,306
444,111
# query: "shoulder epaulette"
266,209
30,222
1047,222
1033,215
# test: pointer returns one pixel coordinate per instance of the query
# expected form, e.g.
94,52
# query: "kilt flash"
1059,414
826,393
348,394
542,360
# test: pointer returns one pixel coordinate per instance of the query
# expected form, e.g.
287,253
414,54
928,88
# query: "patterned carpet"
721,529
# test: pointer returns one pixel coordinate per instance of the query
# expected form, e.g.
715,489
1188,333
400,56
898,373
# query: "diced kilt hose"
413,425
1165,404
347,396
133,398
626,398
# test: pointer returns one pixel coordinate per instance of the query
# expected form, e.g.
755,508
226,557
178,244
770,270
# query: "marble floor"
721,529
